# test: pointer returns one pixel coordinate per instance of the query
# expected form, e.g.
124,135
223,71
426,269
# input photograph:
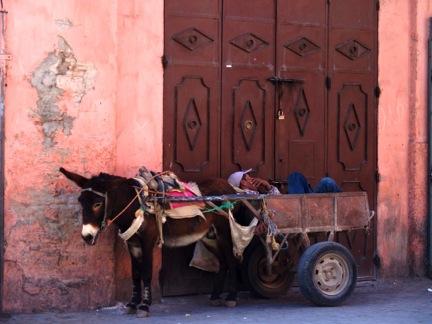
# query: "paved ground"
393,302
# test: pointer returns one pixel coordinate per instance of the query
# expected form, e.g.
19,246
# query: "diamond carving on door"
248,42
352,126
301,112
249,114
248,124
192,123
352,122
192,39
303,46
352,49
192,128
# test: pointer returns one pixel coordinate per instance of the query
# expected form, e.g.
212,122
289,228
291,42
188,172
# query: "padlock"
280,115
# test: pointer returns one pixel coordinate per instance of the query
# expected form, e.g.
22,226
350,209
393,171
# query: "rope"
272,229
138,192
110,221
226,205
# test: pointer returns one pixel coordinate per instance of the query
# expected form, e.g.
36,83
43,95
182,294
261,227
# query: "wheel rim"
268,279
331,274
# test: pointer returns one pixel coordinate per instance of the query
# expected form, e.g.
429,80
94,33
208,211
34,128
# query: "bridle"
106,223
105,197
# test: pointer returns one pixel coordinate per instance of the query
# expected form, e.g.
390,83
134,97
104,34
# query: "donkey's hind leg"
228,264
231,279
218,285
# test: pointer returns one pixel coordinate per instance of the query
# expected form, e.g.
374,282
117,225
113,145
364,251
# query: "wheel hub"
331,274
263,273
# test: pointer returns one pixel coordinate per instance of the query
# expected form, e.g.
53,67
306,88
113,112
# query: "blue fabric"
326,185
297,184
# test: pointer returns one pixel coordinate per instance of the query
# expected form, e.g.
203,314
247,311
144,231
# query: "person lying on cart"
297,184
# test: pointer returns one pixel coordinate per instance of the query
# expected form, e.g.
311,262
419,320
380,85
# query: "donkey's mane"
104,180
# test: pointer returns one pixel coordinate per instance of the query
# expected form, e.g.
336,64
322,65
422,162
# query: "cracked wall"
58,73
60,111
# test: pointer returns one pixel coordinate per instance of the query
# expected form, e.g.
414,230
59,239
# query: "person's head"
243,180
235,179
248,183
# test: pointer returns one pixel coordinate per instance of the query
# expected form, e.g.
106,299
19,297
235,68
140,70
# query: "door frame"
3,60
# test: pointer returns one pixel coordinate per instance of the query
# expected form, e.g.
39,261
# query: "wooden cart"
326,271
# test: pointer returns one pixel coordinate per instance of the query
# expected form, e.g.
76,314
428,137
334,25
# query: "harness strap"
105,196
135,226
94,191
160,219
153,208
143,184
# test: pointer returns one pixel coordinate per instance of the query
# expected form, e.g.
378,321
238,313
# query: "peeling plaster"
63,23
58,74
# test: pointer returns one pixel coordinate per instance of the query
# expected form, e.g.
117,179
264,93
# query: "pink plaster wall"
402,136
139,109
99,110
140,86
109,118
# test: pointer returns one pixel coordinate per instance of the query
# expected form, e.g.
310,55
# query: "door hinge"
377,91
377,176
164,60
378,5
376,261
328,82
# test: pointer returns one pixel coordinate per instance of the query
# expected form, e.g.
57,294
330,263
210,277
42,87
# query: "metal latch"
277,80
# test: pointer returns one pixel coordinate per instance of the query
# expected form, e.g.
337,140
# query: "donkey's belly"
183,240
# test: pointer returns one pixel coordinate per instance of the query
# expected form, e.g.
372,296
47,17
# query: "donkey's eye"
97,206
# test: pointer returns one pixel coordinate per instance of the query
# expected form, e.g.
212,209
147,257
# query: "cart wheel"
264,284
327,273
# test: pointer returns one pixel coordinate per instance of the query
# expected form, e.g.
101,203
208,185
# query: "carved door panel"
301,56
221,111
191,116
192,88
352,109
248,52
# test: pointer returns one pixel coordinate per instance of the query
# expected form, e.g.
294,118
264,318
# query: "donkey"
105,197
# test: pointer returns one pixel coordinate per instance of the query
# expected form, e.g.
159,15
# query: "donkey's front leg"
131,307
146,276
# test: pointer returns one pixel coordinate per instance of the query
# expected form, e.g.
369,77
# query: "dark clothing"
297,184
327,184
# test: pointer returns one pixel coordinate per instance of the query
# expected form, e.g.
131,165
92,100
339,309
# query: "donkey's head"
93,200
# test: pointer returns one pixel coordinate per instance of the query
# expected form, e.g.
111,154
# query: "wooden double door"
277,86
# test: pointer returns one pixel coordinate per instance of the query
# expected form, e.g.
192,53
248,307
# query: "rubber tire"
306,268
256,285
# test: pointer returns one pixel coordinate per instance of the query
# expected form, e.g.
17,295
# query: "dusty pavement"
406,301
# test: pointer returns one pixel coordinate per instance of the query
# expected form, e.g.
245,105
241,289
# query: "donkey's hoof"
143,311
216,302
130,309
230,303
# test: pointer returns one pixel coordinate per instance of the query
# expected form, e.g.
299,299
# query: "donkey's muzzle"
89,239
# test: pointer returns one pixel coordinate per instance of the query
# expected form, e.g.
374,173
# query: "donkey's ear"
78,179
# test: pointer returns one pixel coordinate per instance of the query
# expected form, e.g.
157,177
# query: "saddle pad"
184,212
190,190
